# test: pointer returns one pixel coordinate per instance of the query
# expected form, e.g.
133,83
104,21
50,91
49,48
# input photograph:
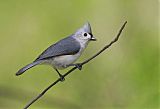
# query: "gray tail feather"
22,70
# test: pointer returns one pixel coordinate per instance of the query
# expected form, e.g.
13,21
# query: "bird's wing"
67,46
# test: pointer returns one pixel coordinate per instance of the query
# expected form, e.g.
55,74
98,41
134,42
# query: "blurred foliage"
124,77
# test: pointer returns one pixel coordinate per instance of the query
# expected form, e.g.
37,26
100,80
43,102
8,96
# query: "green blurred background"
123,77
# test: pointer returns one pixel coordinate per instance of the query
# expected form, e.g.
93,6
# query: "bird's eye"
85,34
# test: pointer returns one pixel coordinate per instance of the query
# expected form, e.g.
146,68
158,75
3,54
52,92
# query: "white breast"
61,62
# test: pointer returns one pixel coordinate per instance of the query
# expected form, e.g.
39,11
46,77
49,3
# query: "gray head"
84,34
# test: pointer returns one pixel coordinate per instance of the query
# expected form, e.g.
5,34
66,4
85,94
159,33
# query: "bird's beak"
93,39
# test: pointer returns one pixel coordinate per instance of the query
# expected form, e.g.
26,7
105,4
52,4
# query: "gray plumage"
22,70
65,52
66,46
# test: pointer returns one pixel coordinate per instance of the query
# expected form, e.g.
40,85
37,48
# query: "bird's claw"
62,78
79,66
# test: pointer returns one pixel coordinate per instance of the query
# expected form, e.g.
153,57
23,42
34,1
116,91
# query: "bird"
65,52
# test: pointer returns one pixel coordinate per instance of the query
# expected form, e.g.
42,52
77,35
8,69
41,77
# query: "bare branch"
71,70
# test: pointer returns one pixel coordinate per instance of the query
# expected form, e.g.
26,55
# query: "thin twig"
71,70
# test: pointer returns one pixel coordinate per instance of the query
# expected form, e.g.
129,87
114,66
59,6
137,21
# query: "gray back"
66,46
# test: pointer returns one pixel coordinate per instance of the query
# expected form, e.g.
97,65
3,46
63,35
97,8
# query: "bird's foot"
78,65
61,78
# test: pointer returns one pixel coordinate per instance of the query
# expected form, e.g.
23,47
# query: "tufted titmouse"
65,52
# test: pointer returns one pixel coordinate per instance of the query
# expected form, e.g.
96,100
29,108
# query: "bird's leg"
78,65
60,75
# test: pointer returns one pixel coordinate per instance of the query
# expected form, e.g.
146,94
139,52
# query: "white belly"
61,62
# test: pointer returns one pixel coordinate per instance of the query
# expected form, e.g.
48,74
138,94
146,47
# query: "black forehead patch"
91,34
